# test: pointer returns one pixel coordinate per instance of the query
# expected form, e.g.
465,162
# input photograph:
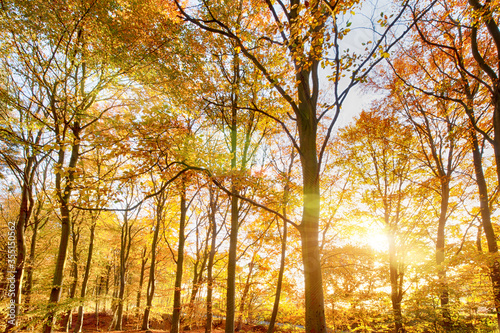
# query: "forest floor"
131,325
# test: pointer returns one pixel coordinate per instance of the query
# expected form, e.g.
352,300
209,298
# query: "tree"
383,165
212,211
127,235
176,312
283,235
94,193
441,136
160,203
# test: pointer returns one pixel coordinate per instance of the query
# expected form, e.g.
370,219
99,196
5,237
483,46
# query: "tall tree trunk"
126,242
440,253
486,221
233,235
231,265
485,15
83,292
396,278
74,274
197,277
211,257
116,287
176,313
106,284
309,228
151,281
444,170
144,260
37,224
279,284
246,289
63,195
16,258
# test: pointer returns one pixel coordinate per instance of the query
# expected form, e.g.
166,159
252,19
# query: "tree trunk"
197,278
63,196
16,258
286,191
151,281
396,278
31,261
176,313
144,260
279,284
246,289
486,221
479,245
126,242
116,287
486,17
309,228
83,292
210,279
233,235
440,254
108,275
231,265
74,273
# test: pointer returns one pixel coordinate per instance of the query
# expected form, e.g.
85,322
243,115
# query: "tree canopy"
182,165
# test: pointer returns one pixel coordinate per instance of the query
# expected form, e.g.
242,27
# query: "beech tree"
127,234
441,149
160,207
383,163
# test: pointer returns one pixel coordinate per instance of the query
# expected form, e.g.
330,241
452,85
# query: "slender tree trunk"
126,242
74,283
233,235
440,253
396,278
16,258
246,289
197,280
31,261
86,276
286,192
279,284
231,266
106,292
114,294
211,257
486,221
63,196
176,313
144,260
486,16
151,281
